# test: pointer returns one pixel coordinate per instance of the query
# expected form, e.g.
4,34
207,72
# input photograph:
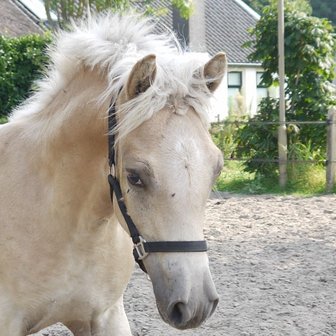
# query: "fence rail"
240,122
325,162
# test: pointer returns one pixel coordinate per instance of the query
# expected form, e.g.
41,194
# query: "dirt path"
273,260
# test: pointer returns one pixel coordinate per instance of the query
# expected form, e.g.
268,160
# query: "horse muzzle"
185,293
185,315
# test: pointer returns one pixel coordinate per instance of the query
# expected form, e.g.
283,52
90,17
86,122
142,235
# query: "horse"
65,248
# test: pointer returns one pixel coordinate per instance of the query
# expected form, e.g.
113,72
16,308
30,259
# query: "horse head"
166,166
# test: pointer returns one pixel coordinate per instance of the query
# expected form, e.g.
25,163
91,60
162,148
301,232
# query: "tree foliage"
319,8
67,10
299,5
21,62
309,66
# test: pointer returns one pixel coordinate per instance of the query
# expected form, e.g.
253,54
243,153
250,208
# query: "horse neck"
75,148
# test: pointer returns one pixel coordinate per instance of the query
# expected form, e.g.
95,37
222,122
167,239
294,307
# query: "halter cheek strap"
141,248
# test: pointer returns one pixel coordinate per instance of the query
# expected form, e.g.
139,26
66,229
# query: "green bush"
257,142
22,60
224,134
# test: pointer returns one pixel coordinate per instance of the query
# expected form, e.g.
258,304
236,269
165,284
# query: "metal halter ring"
140,248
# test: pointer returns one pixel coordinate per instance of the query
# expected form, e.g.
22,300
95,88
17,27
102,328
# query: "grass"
3,120
304,180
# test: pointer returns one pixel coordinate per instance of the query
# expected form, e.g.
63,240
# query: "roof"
227,23
15,20
37,8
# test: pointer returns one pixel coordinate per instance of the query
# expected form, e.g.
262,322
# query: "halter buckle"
140,249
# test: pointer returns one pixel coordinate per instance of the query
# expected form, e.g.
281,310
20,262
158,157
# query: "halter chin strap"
141,247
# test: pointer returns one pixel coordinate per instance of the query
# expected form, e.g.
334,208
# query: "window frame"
240,73
260,86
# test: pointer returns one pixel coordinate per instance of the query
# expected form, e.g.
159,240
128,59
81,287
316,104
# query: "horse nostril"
183,315
214,306
177,312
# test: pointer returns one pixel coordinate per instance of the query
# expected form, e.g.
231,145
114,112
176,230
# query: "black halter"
141,247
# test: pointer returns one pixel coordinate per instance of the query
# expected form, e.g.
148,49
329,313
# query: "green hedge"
21,62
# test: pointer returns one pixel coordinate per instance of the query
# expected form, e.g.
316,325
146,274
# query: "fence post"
282,130
282,154
331,150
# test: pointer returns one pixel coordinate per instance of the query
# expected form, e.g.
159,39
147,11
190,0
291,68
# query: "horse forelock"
175,86
112,44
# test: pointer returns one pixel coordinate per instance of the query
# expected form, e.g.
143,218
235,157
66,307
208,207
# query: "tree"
299,5
310,65
319,8
76,9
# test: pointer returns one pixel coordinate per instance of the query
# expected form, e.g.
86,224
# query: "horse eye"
134,179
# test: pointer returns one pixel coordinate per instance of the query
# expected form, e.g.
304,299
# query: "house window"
262,90
235,79
235,84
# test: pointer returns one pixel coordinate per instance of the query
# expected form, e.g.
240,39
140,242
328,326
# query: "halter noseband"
141,247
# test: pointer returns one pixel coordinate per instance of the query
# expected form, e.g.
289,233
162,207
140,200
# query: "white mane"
113,44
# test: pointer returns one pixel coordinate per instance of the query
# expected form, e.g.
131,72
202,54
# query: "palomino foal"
65,250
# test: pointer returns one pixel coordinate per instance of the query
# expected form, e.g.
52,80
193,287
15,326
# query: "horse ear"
141,77
214,70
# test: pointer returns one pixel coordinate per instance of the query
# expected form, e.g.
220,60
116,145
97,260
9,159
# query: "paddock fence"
330,160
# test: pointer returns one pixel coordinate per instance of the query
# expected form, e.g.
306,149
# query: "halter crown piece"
141,247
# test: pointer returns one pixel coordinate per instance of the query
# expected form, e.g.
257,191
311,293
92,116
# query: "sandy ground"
273,260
